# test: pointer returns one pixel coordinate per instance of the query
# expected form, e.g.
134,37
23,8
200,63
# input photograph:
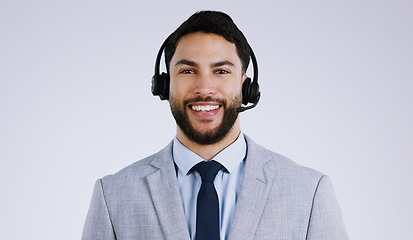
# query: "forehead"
205,47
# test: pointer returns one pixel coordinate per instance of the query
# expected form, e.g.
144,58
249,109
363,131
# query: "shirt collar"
230,157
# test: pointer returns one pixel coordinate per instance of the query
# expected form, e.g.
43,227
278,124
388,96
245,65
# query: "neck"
207,152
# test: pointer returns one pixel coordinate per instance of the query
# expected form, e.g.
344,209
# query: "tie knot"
208,170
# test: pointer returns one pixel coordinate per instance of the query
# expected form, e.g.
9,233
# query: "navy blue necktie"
207,209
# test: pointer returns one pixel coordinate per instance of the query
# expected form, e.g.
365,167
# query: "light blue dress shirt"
227,182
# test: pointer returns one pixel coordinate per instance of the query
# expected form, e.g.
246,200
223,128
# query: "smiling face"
205,88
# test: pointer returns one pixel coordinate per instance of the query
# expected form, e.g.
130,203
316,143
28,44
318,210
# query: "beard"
211,136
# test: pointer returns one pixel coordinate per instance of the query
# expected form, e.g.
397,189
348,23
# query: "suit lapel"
165,196
256,184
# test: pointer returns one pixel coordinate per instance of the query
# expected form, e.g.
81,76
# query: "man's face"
205,88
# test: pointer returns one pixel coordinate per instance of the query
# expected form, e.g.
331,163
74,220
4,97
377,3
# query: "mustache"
205,99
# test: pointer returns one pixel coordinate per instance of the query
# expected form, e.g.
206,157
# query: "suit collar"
165,195
256,185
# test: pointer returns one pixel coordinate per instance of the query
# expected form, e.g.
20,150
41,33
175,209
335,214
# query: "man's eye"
187,71
221,71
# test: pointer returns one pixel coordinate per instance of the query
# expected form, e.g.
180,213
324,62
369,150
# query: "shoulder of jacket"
142,167
281,164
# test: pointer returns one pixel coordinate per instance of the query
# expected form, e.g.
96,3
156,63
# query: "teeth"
205,108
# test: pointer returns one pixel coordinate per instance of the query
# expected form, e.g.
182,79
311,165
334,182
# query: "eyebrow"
187,62
213,65
222,63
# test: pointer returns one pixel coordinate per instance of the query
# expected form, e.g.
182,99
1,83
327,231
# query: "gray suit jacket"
278,200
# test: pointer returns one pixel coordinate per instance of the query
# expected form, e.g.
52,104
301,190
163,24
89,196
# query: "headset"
250,89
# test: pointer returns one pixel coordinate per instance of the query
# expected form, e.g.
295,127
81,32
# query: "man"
252,193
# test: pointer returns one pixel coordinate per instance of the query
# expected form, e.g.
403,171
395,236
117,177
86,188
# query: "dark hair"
210,22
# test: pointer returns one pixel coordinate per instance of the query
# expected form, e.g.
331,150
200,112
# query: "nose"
204,85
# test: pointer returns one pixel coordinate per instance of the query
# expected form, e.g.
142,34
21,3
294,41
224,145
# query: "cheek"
173,91
177,87
233,89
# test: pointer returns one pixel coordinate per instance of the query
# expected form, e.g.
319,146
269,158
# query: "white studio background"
75,102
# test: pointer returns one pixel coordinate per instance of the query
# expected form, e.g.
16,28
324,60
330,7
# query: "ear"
243,79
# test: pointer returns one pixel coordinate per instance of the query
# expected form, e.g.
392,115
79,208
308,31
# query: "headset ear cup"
254,92
160,86
246,90
155,85
165,88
